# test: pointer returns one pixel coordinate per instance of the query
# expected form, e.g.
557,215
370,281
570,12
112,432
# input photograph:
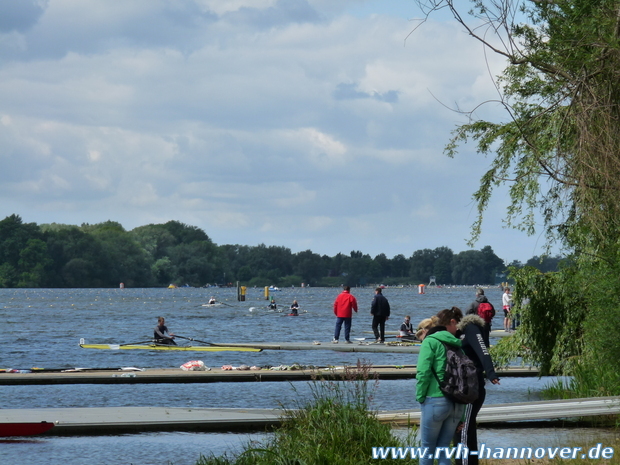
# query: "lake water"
43,328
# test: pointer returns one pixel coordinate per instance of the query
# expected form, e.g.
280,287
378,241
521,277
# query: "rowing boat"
24,429
213,348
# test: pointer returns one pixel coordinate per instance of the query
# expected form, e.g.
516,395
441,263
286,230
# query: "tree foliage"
559,154
559,150
105,254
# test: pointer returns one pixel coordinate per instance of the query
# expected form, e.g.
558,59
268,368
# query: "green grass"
335,427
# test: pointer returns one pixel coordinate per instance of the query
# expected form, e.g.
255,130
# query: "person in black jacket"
471,332
380,311
473,310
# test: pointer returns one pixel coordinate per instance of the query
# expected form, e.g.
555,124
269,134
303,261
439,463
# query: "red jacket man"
344,305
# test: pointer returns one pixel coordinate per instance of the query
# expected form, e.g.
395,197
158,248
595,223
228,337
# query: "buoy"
421,288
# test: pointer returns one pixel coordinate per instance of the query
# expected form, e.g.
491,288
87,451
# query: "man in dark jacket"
473,310
380,311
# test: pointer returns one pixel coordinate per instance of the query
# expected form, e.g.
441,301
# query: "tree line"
156,255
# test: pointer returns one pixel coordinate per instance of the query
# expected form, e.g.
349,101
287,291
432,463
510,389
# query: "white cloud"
256,120
220,7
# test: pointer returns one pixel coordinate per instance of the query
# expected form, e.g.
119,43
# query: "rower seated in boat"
212,301
273,305
294,308
160,333
406,329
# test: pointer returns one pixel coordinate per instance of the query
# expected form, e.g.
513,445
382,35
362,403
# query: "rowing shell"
168,347
24,429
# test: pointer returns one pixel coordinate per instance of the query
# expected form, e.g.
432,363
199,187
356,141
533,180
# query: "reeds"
333,427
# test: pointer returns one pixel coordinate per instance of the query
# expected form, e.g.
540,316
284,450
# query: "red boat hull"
24,429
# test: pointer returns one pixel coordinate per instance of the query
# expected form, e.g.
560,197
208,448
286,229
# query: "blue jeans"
440,417
347,328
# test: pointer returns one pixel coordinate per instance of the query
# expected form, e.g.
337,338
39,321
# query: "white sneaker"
334,341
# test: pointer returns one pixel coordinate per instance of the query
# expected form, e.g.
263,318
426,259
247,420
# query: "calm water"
43,328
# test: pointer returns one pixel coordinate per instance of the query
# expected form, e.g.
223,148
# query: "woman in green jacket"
440,416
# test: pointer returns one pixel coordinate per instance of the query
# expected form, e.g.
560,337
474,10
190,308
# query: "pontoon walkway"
110,420
215,375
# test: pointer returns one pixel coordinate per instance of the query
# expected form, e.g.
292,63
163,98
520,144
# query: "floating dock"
117,420
355,346
217,375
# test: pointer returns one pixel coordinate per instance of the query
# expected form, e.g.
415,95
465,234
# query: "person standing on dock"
344,305
470,331
440,416
380,311
507,306
160,333
488,310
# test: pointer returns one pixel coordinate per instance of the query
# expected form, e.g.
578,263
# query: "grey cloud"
284,12
179,25
349,92
20,15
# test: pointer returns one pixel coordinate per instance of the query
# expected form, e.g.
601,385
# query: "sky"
308,124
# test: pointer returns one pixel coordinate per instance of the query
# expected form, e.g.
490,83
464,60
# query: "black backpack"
460,381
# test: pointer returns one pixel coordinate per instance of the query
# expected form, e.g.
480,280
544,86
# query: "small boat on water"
24,429
208,347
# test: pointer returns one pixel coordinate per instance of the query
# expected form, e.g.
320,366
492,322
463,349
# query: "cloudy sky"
310,124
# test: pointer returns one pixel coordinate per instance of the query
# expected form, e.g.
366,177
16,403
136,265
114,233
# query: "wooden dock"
110,420
217,375
525,411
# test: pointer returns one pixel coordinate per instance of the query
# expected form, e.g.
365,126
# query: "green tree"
154,239
68,243
559,154
34,264
442,268
14,237
124,260
385,265
468,267
309,266
422,265
400,266
545,263
560,148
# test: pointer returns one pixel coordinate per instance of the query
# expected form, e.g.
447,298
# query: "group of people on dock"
443,420
446,338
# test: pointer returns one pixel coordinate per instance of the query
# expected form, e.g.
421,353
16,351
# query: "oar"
197,340
224,303
133,343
